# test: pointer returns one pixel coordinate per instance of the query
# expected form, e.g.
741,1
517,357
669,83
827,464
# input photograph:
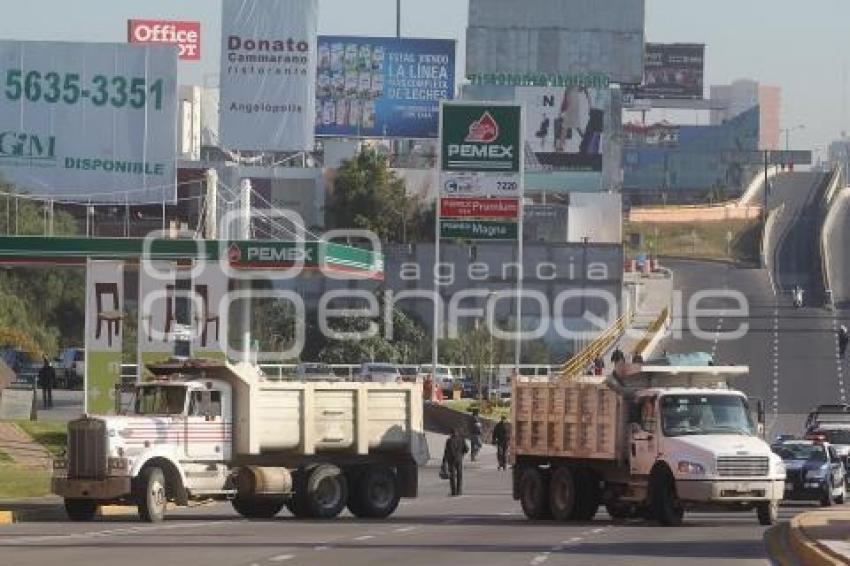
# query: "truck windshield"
705,414
160,400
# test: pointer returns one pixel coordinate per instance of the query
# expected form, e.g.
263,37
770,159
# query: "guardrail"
827,216
578,363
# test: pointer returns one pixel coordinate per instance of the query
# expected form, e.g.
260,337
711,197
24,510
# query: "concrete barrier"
808,549
831,201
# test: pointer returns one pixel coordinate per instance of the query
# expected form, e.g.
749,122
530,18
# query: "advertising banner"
564,126
478,230
673,71
209,288
268,75
157,312
481,138
185,35
89,121
479,208
383,87
104,334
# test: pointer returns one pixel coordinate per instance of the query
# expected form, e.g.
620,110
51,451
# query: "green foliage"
367,195
52,435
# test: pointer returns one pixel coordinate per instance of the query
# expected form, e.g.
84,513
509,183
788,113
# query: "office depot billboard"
186,35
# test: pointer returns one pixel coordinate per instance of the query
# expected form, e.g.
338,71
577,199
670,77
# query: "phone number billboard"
89,121
383,87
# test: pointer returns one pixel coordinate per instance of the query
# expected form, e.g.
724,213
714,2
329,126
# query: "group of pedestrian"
456,449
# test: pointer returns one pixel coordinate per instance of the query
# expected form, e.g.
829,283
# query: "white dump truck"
214,430
655,442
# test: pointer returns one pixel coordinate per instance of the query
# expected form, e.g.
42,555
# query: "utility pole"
245,235
398,18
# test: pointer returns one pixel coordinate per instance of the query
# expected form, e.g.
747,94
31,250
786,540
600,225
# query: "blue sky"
783,42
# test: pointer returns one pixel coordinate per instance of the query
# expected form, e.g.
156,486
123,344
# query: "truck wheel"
562,494
297,502
534,494
376,494
588,496
840,499
662,495
81,509
257,507
768,513
150,495
327,492
826,500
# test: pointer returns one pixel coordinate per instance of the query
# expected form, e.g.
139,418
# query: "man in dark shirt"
456,448
500,439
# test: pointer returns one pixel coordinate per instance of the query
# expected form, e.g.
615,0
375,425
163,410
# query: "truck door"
207,431
644,436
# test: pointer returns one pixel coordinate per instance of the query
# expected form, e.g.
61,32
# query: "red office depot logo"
186,35
483,130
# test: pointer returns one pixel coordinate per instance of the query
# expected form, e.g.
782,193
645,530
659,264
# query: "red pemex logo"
234,254
483,130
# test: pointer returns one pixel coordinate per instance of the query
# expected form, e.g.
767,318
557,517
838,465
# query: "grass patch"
5,458
734,240
53,436
18,481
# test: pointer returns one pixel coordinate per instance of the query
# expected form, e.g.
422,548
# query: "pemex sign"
481,138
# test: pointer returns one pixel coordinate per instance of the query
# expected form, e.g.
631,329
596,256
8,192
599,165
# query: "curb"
809,550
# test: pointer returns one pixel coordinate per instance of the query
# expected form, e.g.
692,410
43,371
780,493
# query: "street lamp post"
788,134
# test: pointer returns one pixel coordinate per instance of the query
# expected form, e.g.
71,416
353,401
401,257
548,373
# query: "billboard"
673,71
268,75
551,36
564,127
185,35
481,138
383,87
104,327
89,121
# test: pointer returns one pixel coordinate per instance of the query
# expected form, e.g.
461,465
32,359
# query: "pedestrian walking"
843,340
598,366
617,356
500,439
47,380
477,433
453,454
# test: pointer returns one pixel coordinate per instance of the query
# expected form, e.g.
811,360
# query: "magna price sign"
186,35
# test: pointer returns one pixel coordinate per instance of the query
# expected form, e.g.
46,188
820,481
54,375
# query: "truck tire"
588,496
150,495
826,499
534,494
327,492
376,493
768,513
562,494
81,509
257,507
297,503
662,499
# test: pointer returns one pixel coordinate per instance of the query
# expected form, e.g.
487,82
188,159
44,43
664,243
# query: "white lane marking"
364,537
596,531
572,540
540,559
321,547
404,529
108,533
282,558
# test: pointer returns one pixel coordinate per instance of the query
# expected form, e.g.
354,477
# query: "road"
485,526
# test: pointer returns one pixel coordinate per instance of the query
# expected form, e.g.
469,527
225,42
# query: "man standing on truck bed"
456,448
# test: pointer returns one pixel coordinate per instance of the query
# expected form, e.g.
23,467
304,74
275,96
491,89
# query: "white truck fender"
164,452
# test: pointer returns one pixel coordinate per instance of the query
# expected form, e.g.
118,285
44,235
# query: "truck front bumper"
109,488
730,491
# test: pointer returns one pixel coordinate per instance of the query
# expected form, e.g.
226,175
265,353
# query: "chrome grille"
743,466
87,449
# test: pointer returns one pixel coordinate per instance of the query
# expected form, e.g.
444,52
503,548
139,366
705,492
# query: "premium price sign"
89,121
481,171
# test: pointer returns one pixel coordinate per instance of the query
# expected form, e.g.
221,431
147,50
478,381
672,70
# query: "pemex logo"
234,253
483,130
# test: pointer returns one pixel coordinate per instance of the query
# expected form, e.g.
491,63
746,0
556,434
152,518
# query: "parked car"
813,471
20,362
315,372
72,368
444,378
409,373
379,373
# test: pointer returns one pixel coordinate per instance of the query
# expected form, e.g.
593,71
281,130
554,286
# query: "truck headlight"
118,464
691,468
779,469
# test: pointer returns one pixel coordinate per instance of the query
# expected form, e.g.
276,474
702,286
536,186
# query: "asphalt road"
485,526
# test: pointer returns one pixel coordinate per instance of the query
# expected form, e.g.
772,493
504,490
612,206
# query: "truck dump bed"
569,419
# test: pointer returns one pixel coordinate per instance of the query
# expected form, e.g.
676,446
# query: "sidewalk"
812,538
21,448
655,293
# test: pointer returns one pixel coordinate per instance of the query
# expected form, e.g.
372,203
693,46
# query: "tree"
367,195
